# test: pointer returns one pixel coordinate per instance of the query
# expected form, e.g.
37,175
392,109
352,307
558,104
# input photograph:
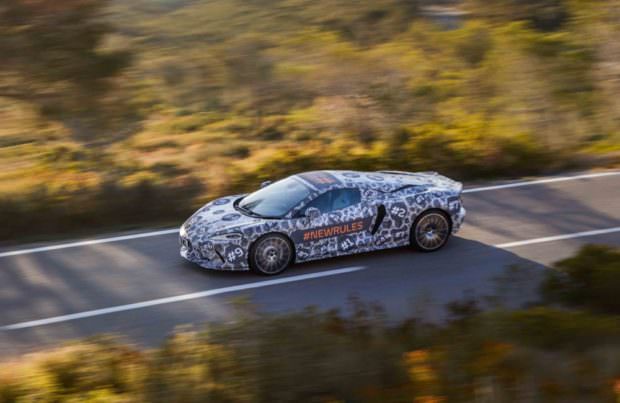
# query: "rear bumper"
457,219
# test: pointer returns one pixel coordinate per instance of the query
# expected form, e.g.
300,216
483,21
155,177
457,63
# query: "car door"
342,227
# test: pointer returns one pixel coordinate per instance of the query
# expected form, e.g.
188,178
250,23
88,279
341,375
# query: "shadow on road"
529,212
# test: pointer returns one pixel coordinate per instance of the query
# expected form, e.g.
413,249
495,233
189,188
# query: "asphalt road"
138,286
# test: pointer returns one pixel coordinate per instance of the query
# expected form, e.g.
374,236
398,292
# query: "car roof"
386,181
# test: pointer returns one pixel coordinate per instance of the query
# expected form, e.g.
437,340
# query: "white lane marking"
178,298
557,237
248,286
541,181
174,230
89,242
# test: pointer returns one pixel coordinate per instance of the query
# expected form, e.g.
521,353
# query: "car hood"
218,216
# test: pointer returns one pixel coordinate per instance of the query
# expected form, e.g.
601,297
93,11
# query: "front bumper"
228,257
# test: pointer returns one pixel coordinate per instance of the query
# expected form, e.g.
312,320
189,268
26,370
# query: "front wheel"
430,231
271,254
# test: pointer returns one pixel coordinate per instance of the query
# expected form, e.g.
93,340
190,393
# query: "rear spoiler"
454,185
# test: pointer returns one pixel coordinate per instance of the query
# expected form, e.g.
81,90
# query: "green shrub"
123,202
468,147
191,367
286,161
269,133
464,150
590,279
99,370
474,43
237,151
191,122
556,329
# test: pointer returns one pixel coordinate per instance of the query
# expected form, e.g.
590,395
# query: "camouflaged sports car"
319,214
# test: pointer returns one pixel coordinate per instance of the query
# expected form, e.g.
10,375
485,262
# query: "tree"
51,59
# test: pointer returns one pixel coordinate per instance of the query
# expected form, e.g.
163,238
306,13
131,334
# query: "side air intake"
379,220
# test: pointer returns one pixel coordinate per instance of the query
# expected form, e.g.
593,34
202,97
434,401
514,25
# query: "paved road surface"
138,286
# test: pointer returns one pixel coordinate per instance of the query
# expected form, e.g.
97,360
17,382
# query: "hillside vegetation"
133,112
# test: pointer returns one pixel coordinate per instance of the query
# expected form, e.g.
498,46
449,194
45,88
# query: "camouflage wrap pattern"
219,237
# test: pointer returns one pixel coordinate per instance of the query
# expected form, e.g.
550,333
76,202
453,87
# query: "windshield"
276,199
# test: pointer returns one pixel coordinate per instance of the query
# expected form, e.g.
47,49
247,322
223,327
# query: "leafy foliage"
231,91
324,356
591,279
126,203
52,57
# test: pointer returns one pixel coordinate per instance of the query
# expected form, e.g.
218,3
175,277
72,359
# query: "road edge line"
541,181
557,237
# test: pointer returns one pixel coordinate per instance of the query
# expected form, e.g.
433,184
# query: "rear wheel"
430,231
271,254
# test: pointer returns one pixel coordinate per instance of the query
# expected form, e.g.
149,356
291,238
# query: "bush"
591,279
556,329
99,370
463,150
237,151
288,161
191,122
468,147
316,356
127,201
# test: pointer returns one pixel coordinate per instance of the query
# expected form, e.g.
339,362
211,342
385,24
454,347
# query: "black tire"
430,231
271,254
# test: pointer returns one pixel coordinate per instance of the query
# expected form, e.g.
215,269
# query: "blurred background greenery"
564,347
119,113
129,113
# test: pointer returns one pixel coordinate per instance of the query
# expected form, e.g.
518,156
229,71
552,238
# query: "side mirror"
265,183
312,213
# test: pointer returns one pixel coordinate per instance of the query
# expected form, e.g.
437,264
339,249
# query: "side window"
335,200
344,198
322,202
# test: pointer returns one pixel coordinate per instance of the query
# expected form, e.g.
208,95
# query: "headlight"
182,231
233,236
